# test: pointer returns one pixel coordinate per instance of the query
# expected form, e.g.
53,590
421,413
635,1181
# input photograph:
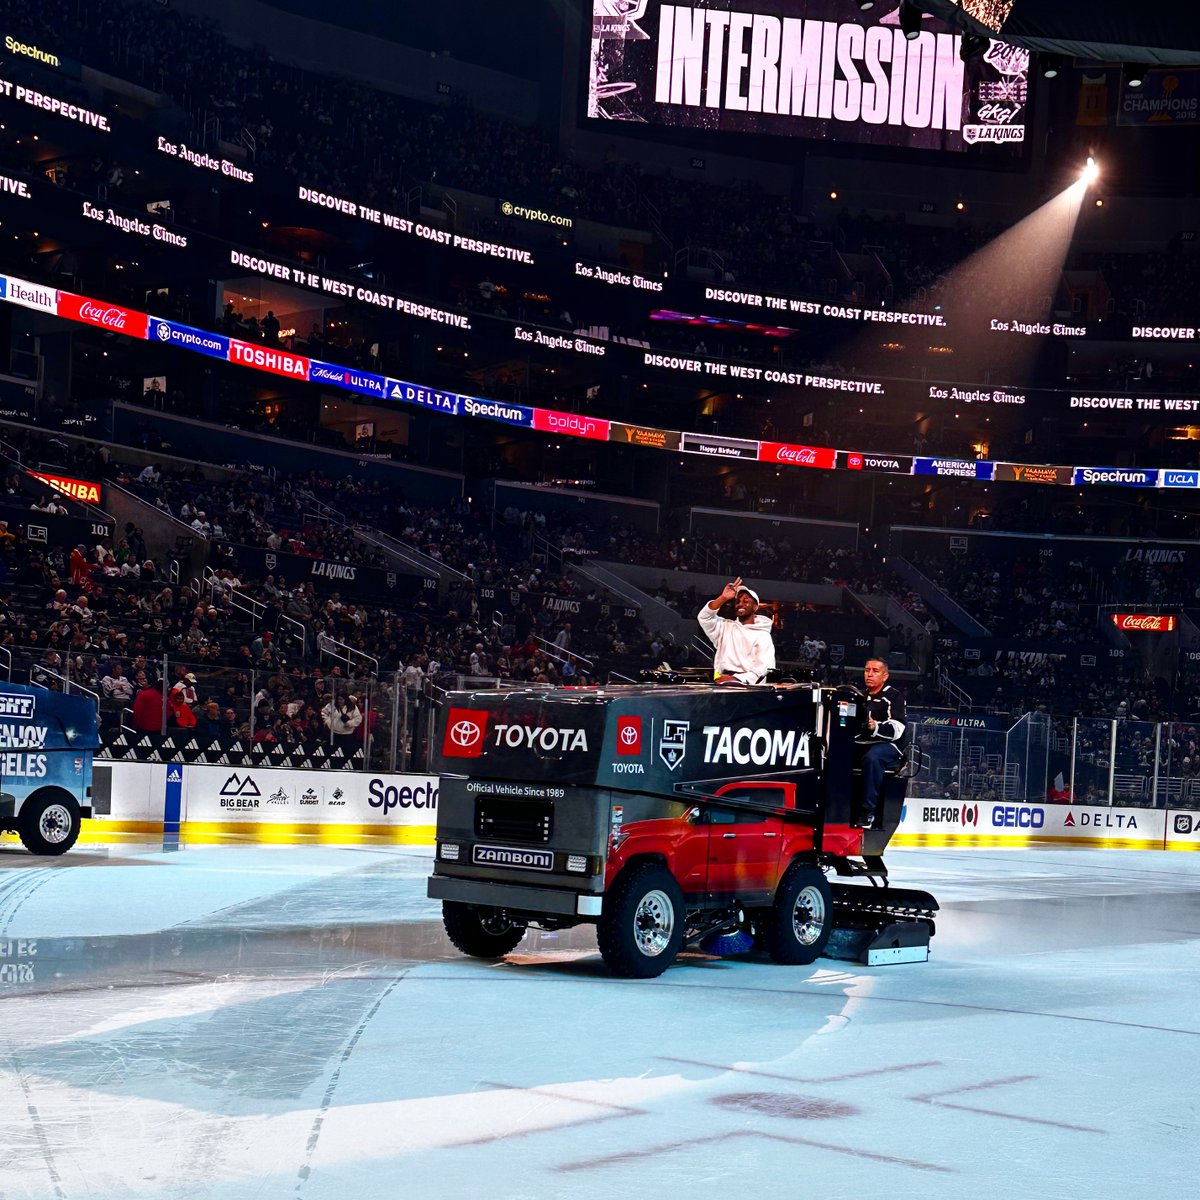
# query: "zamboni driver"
745,651
886,727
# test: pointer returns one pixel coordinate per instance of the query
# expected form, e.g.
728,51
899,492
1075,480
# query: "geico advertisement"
972,820
309,797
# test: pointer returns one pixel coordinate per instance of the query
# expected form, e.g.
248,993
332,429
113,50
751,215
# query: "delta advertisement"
944,822
822,69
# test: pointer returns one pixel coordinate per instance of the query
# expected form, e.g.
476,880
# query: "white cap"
749,592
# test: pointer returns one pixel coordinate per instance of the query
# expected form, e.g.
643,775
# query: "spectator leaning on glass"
744,649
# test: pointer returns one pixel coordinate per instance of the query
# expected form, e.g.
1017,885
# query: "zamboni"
666,815
47,741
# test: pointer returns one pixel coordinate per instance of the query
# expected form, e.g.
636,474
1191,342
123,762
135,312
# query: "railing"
556,652
956,695
247,605
7,659
298,625
405,553
348,654
69,686
1101,762
935,597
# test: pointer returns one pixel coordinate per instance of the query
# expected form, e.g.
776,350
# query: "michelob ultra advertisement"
802,68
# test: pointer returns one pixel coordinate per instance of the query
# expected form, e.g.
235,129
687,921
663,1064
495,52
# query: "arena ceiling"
1166,33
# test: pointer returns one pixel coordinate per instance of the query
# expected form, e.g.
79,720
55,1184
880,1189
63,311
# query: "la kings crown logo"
672,743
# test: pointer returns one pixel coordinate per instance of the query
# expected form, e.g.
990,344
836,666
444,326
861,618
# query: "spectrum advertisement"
802,68
114,318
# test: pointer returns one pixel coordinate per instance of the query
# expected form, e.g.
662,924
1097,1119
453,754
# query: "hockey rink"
246,1021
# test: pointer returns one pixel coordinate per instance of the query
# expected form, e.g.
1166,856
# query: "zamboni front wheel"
49,824
641,927
481,933
797,926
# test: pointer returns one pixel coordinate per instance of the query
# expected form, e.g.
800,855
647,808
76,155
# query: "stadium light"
1135,74
866,5
1091,172
1052,64
910,20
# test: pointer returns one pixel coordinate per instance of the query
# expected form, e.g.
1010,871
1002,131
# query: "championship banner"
1169,98
802,68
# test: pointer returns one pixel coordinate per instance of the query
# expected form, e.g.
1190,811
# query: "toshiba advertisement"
803,68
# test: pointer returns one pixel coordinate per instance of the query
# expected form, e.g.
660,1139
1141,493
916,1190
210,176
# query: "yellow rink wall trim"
106,829
261,832
985,841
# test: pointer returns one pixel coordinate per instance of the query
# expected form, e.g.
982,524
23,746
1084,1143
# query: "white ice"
278,1021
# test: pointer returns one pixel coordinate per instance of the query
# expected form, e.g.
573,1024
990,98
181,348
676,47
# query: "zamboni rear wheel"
481,933
641,928
49,824
797,926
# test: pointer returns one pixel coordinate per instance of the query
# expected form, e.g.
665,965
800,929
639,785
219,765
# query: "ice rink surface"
241,1021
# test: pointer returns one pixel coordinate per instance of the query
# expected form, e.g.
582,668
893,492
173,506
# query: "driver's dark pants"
876,761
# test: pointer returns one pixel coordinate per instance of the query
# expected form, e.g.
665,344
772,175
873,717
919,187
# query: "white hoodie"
744,651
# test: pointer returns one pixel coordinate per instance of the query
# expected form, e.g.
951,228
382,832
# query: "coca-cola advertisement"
570,424
1144,622
102,314
797,456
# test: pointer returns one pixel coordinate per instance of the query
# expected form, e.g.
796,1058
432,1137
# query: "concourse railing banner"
351,580
118,319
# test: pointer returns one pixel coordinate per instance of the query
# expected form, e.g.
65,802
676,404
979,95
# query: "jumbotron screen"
818,69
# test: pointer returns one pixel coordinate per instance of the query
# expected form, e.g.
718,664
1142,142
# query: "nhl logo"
672,745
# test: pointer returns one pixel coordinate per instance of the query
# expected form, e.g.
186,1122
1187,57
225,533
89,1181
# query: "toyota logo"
629,735
465,734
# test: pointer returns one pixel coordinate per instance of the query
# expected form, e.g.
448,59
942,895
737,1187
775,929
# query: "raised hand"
730,590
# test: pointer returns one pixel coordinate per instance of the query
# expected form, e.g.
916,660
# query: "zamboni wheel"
641,927
481,933
798,924
49,824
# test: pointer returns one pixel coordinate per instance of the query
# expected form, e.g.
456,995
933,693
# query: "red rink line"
624,1156
933,1099
692,1062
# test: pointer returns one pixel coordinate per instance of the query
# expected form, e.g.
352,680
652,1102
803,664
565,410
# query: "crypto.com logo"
465,728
